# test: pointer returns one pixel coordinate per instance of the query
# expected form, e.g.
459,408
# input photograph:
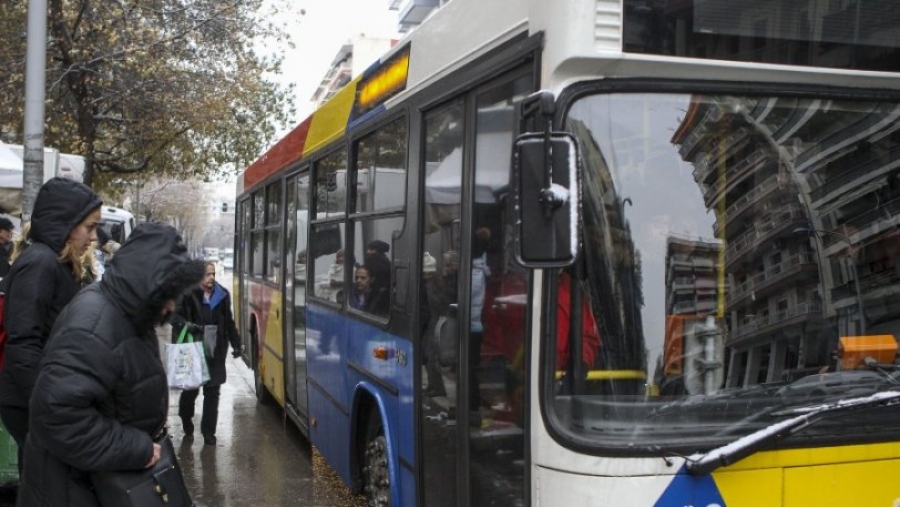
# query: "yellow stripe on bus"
330,121
863,475
611,375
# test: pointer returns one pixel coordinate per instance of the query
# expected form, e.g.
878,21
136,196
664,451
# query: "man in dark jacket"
208,307
101,394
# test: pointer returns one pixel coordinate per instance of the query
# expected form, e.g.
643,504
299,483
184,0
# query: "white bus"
697,195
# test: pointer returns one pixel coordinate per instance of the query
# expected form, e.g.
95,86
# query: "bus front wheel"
377,482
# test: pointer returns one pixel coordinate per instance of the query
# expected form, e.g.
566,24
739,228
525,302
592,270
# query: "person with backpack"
45,275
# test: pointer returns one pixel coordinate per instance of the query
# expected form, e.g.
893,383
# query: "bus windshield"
741,261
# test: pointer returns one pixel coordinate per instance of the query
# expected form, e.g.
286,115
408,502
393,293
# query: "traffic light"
224,207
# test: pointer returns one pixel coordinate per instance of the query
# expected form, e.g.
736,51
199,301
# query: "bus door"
297,213
239,282
473,381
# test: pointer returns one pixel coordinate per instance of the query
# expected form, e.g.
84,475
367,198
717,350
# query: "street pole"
35,90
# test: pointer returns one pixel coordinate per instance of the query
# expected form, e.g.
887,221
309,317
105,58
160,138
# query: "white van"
117,222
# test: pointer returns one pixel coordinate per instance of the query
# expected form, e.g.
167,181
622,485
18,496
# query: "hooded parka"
39,286
101,393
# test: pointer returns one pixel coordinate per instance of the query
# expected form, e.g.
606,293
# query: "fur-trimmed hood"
151,267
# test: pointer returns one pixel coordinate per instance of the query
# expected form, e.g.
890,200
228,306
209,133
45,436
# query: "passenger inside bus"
367,295
379,264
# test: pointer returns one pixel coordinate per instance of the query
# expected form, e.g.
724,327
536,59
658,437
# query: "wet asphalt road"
260,458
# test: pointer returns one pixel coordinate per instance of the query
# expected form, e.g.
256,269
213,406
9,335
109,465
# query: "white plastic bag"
186,366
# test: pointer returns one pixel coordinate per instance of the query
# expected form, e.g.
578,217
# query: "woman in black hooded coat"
43,278
101,394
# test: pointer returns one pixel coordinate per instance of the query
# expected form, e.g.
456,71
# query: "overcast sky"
321,27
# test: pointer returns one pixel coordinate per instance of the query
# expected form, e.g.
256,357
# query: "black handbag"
162,485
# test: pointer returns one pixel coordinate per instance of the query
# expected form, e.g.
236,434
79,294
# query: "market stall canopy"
10,181
491,178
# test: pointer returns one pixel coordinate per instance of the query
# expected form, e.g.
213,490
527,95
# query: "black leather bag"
159,486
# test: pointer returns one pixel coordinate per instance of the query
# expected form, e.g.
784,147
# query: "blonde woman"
46,273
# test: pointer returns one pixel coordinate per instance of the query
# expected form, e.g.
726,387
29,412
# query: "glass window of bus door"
257,235
242,269
498,290
273,232
297,213
326,241
441,212
380,177
739,255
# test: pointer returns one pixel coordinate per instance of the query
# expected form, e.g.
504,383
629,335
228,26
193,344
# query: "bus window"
257,236
381,169
331,185
372,249
273,232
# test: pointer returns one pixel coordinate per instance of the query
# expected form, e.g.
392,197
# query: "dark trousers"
15,420
210,408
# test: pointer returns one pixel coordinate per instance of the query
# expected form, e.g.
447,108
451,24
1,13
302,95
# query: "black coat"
195,311
102,391
38,286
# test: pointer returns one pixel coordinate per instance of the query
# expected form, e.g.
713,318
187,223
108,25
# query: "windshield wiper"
728,454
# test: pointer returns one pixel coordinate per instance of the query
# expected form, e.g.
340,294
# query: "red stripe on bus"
285,152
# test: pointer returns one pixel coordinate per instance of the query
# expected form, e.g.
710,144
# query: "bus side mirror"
547,200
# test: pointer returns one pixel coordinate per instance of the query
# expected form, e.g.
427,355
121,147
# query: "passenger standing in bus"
45,275
480,273
379,264
207,312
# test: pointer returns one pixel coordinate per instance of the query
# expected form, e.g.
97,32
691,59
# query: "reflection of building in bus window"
590,336
366,295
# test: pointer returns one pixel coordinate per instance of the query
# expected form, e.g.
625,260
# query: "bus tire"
263,396
376,479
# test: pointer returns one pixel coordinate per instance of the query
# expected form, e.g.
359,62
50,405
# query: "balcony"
736,174
764,229
751,197
856,174
756,326
760,282
734,142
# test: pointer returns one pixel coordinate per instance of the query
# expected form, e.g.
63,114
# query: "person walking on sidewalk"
101,395
45,275
207,313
